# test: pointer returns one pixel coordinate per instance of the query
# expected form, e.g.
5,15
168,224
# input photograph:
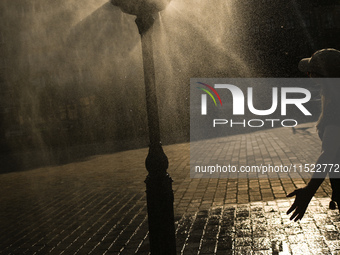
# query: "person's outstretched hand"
302,199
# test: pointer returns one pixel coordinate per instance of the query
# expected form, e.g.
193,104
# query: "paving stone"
98,205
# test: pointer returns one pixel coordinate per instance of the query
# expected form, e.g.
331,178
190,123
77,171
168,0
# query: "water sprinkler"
141,7
159,191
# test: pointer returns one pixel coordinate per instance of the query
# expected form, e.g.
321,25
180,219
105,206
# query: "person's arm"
330,146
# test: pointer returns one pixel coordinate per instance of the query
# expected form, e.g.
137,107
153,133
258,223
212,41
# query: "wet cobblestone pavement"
98,205
260,228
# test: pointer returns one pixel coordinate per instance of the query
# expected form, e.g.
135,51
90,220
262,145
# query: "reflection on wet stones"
259,228
263,243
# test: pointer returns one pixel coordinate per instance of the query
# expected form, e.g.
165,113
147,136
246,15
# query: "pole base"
160,201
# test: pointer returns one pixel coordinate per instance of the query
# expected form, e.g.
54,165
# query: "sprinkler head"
141,7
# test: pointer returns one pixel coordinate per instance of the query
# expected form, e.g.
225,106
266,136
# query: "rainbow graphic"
209,93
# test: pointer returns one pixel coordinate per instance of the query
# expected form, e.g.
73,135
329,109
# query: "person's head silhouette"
323,63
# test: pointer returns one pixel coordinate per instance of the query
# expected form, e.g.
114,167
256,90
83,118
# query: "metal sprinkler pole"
159,191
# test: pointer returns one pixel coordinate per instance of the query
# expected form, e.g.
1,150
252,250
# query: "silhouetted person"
324,63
